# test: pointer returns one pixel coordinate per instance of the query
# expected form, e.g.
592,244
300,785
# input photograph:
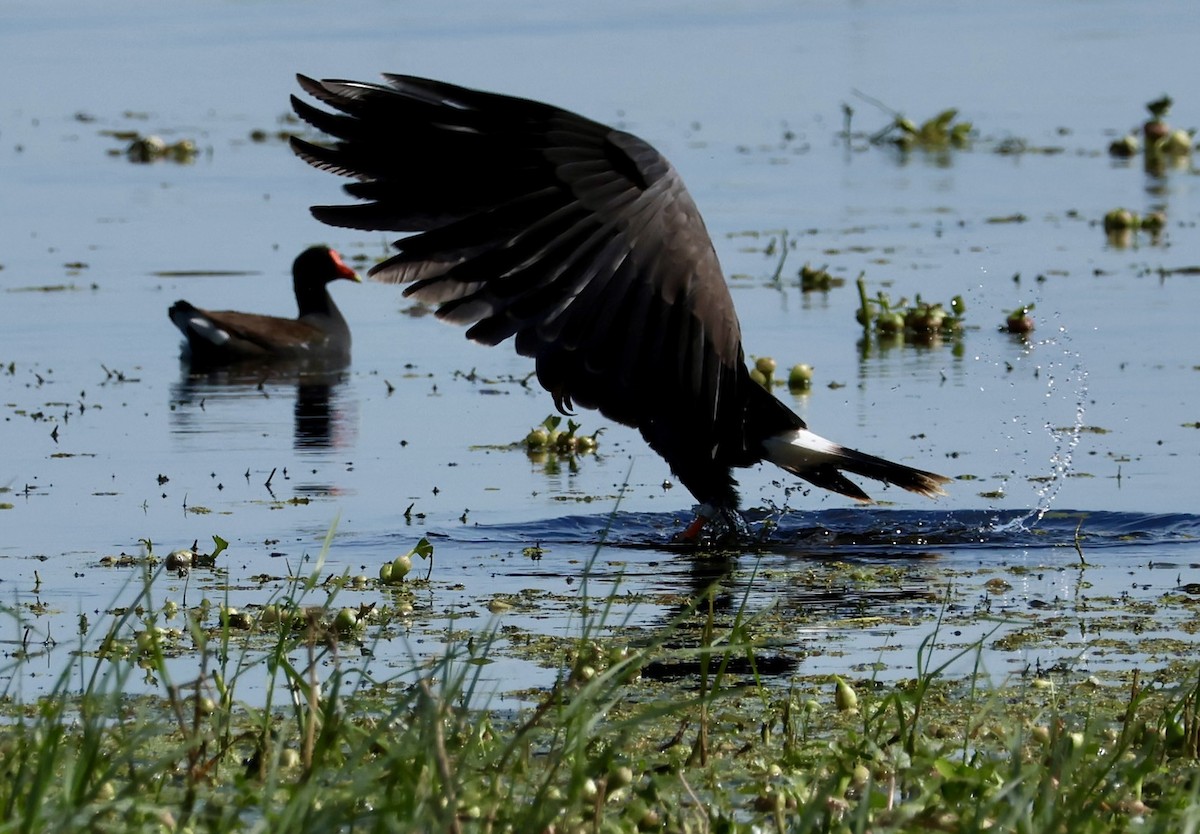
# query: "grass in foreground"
607,748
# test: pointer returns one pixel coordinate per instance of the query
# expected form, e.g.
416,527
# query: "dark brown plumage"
319,332
581,243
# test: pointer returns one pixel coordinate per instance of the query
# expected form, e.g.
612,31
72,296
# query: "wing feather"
577,240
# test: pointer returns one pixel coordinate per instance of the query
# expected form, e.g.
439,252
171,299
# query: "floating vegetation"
1158,139
818,279
179,561
260,135
916,323
153,148
55,288
1019,320
939,133
763,372
676,731
799,378
549,439
396,571
1122,225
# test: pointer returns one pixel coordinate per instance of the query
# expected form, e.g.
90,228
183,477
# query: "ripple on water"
868,528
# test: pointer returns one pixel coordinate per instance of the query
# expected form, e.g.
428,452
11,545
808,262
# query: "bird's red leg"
704,514
693,529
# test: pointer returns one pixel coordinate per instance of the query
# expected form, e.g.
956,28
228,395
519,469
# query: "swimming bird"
581,243
319,332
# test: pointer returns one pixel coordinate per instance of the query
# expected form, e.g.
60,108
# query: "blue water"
896,532
106,444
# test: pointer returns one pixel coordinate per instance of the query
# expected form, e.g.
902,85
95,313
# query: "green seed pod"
1124,147
800,377
1119,219
1019,321
146,149
183,151
1177,143
346,620
844,697
401,565
537,438
179,559
1155,221
619,777
241,621
890,323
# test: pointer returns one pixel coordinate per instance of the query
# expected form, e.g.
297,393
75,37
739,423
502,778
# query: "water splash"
1065,440
1066,373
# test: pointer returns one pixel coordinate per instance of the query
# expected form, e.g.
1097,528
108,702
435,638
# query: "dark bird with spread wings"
582,244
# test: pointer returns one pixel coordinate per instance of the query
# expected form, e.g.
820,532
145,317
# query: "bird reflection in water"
315,412
223,404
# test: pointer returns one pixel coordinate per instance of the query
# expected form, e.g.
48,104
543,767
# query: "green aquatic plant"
646,727
799,377
939,133
817,279
919,322
144,149
548,443
1164,147
1019,320
396,571
1122,225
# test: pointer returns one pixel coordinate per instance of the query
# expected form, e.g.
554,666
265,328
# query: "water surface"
108,443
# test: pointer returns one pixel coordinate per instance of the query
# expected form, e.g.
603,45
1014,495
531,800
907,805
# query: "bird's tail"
821,462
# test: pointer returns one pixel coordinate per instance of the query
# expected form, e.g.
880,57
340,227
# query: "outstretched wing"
577,239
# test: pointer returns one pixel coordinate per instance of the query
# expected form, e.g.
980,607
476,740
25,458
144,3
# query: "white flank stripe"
208,331
801,449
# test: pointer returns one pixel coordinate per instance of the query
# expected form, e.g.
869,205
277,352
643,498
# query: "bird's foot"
713,525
